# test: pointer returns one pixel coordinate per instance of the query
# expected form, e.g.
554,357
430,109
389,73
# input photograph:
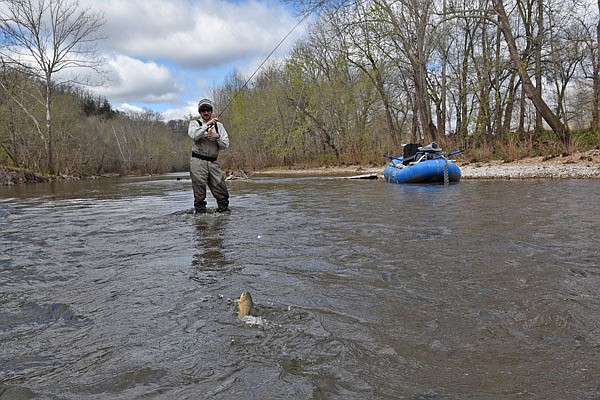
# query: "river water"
112,289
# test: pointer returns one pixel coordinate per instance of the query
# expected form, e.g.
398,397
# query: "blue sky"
164,55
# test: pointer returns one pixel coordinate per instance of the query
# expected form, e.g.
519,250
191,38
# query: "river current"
113,289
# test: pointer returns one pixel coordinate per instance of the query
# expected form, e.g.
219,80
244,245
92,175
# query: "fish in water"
246,305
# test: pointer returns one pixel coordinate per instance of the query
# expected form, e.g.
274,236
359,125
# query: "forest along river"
366,290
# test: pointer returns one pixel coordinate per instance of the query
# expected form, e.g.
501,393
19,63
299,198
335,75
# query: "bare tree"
537,50
540,105
363,39
51,41
595,117
590,23
410,32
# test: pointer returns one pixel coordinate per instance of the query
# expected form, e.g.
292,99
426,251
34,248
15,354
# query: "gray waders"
204,172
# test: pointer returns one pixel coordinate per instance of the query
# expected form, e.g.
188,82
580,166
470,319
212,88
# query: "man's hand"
212,134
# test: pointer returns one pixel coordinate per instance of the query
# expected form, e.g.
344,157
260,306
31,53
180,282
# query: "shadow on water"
365,290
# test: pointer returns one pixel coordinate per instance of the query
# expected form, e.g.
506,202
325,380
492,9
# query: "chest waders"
205,171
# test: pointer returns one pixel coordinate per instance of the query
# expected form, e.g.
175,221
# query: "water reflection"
209,258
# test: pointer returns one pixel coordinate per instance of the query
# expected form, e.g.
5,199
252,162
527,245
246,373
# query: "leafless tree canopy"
47,37
504,76
53,41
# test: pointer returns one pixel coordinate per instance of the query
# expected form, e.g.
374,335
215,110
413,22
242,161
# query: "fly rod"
237,92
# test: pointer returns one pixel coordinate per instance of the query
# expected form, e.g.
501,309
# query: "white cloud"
166,53
199,34
180,113
130,79
129,108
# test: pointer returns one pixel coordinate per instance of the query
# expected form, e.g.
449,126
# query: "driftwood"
234,175
365,176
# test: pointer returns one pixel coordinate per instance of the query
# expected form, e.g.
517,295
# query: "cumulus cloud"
129,108
199,34
130,79
180,113
166,53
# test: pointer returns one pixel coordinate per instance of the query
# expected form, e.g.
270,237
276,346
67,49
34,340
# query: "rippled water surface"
112,289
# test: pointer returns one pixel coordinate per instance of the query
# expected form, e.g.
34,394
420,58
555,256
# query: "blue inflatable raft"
422,164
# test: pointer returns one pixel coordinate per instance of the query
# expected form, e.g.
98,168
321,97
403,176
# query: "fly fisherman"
209,137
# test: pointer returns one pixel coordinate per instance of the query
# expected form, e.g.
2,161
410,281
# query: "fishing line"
319,4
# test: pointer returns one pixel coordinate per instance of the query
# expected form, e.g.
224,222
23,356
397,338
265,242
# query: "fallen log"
365,176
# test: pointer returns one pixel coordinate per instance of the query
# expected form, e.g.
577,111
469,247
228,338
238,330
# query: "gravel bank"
583,165
531,171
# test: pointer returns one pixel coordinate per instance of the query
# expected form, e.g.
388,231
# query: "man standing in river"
209,137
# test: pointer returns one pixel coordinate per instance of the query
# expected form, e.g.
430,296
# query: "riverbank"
15,176
532,169
582,165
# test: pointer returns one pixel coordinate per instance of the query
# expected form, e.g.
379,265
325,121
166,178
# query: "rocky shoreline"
582,165
531,171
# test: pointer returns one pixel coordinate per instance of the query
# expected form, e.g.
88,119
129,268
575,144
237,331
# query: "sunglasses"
202,110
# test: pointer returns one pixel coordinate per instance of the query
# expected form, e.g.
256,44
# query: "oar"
393,158
449,154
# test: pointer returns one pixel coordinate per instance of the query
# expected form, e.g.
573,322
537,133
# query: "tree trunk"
49,147
522,108
596,80
423,104
510,104
539,125
462,108
498,124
